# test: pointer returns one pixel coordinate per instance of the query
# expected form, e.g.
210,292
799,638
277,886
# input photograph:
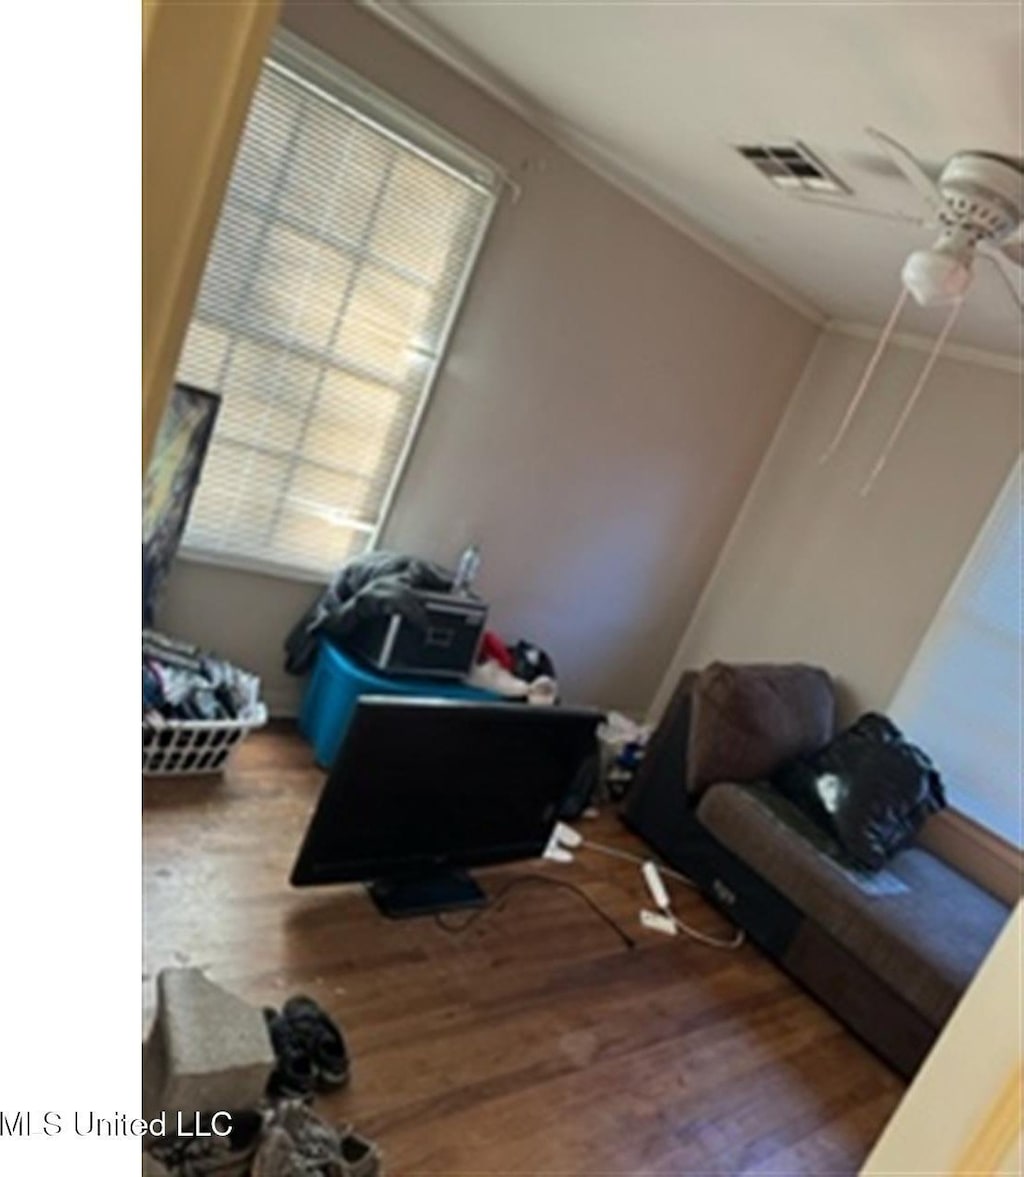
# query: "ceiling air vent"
793,166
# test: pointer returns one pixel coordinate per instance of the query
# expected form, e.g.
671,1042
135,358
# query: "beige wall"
813,571
608,394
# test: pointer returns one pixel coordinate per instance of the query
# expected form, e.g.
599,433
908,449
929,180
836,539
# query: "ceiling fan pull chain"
865,380
912,399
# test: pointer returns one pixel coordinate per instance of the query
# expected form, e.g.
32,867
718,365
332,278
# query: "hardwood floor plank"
533,1041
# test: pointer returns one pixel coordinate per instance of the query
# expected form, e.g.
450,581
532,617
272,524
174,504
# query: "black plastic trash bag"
869,788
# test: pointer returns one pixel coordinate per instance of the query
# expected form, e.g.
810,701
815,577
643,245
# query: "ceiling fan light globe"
936,278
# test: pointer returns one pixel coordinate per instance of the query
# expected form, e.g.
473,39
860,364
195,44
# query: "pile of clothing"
180,681
285,1139
520,671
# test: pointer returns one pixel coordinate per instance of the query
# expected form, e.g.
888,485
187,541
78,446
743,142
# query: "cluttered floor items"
242,1083
196,707
287,1139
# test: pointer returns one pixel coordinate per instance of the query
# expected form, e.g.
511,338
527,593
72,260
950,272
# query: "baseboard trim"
281,704
989,860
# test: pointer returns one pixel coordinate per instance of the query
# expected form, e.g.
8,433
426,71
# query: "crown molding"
924,343
412,25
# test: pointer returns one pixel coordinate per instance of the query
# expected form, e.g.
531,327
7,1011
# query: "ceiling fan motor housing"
984,195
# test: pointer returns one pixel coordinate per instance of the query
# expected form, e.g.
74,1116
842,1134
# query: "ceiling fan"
976,208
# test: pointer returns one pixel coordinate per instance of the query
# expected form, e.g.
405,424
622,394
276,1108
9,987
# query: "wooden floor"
532,1043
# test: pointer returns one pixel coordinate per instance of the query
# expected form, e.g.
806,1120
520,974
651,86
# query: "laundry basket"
185,747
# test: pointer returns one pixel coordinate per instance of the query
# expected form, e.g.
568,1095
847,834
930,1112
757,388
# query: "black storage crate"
446,647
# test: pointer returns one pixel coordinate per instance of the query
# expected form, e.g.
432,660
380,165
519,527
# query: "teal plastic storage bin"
334,688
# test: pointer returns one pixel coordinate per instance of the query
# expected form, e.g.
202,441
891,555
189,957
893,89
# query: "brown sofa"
889,952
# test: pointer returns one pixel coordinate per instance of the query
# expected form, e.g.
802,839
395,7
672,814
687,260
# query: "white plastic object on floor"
567,836
655,885
186,747
657,922
618,730
556,853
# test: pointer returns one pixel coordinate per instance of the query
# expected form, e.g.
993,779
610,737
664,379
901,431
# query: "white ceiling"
659,93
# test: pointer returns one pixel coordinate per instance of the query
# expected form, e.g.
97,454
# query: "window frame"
957,613
384,114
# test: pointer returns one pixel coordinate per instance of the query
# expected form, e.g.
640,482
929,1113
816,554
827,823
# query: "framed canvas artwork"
170,483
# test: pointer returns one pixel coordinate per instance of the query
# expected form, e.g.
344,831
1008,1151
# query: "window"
961,698
346,238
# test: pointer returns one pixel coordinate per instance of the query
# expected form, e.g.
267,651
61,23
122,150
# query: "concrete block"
207,1051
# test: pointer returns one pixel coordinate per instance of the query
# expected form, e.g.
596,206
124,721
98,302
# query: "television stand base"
426,894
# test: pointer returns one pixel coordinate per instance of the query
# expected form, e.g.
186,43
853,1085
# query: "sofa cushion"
746,721
925,937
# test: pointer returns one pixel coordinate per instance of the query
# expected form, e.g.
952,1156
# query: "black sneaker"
325,1047
294,1075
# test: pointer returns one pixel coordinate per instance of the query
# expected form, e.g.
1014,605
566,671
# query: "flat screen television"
423,788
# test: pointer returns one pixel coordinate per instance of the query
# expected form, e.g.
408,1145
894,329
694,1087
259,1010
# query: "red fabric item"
492,648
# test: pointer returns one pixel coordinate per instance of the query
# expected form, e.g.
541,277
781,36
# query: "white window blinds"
961,697
346,238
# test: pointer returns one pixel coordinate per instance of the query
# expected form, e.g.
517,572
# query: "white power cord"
659,894
615,852
564,840
702,937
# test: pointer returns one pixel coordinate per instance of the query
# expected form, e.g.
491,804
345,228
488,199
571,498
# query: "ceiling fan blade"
923,184
866,210
1012,275
875,163
1013,251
